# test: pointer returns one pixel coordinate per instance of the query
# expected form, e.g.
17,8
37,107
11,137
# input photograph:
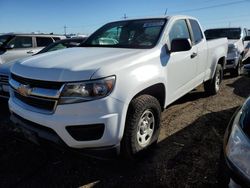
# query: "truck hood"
72,64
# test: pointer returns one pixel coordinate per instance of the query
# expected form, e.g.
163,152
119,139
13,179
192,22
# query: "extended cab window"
179,30
196,31
21,42
43,41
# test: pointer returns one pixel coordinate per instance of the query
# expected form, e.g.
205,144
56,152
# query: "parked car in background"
107,95
15,46
247,52
62,44
237,42
235,160
5,68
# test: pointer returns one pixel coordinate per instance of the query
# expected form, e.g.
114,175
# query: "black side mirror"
247,38
180,45
246,70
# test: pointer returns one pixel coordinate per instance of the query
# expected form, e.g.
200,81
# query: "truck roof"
159,17
224,28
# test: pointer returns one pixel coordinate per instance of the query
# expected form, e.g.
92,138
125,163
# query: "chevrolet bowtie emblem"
24,90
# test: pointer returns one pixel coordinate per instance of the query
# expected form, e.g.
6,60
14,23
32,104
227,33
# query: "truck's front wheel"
142,126
213,86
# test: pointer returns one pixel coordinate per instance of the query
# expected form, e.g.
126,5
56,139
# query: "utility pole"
125,17
229,24
166,11
65,30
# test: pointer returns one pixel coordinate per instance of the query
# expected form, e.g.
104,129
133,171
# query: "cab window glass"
179,30
43,41
21,42
196,31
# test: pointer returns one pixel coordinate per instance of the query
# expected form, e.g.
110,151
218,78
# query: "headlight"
238,146
87,91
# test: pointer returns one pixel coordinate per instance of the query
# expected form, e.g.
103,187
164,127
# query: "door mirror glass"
180,45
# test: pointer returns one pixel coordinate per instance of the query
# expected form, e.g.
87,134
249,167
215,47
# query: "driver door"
181,66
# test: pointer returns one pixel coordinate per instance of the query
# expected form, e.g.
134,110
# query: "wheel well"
222,62
157,91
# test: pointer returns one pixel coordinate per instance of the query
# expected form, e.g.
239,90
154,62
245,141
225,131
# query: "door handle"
30,52
193,55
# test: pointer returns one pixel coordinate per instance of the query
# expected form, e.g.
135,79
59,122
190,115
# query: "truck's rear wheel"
237,71
142,126
212,86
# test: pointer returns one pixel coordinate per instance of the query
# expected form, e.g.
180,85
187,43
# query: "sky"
85,16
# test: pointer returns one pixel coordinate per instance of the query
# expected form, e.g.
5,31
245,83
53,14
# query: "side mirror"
247,38
180,45
246,70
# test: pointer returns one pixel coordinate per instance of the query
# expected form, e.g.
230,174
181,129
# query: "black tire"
238,70
131,146
212,86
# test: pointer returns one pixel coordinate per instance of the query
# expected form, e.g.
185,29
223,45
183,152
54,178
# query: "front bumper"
41,135
106,111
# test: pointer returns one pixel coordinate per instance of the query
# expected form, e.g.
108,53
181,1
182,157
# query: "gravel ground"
187,154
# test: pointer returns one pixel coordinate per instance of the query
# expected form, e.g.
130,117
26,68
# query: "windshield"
4,39
127,34
232,33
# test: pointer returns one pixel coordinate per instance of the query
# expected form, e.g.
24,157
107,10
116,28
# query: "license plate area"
30,135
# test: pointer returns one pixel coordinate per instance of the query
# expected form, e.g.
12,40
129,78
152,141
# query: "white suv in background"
14,46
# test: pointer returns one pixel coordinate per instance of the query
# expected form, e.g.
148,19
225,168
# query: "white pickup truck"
108,95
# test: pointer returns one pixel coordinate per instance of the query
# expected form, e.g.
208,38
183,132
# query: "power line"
213,6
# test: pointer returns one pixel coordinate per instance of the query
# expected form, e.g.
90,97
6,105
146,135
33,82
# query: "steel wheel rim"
217,81
145,128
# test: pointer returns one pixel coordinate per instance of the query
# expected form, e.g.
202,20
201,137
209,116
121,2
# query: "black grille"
230,62
4,79
40,103
4,94
37,83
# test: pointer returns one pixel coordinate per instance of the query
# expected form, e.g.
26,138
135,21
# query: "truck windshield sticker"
154,24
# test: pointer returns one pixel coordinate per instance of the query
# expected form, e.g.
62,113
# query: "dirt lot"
187,154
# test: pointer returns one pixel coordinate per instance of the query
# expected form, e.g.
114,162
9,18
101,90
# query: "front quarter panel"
134,75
